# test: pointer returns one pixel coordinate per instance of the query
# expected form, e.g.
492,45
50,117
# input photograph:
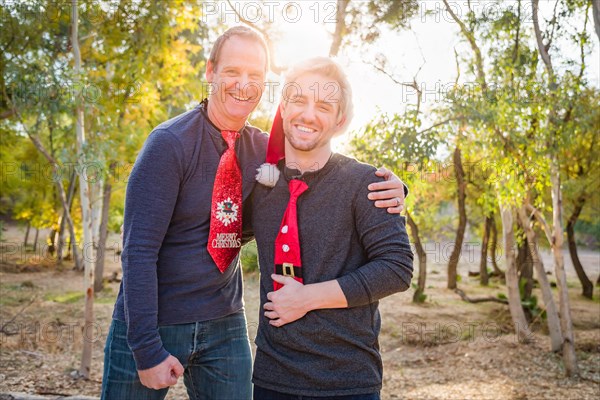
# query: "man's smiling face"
311,111
237,82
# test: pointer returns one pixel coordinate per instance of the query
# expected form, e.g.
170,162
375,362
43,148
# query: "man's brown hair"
241,31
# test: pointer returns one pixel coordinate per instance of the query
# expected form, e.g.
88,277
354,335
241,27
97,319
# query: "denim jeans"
266,394
215,354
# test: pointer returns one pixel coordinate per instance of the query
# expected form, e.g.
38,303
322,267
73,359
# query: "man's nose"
249,87
308,113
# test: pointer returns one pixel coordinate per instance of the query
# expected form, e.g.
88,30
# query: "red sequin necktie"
225,237
287,243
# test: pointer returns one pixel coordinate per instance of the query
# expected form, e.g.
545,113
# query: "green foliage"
531,303
590,229
422,297
367,18
395,141
143,62
249,257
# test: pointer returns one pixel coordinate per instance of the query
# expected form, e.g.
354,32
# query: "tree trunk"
512,280
74,249
103,234
35,240
569,356
84,193
61,190
556,338
61,231
525,267
52,241
494,246
27,234
462,221
556,236
596,12
340,27
418,296
70,250
483,274
96,200
586,284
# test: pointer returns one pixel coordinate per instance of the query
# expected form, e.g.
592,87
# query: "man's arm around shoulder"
389,269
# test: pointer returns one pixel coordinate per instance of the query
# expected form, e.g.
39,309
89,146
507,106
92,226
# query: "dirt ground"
443,349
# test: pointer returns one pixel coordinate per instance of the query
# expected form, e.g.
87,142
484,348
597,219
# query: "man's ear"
342,121
282,105
210,71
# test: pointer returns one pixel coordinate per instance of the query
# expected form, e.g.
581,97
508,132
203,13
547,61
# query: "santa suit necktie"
287,243
225,237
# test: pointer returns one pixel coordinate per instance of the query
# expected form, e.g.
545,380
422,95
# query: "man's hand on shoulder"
163,375
389,193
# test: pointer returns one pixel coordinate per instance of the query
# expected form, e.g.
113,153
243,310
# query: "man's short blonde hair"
330,69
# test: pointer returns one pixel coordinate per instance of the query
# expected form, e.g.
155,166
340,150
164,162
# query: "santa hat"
268,173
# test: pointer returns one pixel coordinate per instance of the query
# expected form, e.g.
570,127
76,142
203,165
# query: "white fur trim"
267,174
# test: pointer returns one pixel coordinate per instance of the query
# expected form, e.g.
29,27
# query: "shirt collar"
215,132
309,176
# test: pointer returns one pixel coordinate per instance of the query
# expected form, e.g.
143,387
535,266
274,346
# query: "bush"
249,257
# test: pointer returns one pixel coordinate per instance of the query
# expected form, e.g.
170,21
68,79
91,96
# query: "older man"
326,254
180,310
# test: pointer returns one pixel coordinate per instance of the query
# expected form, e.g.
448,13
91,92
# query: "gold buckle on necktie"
288,269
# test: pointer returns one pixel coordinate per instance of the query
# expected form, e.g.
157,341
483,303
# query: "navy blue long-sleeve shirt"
168,276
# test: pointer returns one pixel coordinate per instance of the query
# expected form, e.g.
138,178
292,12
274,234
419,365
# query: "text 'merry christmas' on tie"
225,237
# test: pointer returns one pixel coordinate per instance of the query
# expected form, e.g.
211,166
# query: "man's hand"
288,303
294,299
389,193
163,375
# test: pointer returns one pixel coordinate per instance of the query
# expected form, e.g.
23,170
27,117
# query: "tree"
138,57
578,162
525,149
462,217
394,141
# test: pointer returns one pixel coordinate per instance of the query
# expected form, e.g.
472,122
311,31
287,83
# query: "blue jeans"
215,354
266,394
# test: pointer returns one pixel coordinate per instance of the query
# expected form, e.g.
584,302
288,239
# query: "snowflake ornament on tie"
227,211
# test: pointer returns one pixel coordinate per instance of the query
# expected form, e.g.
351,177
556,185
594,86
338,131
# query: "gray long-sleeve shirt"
343,236
168,276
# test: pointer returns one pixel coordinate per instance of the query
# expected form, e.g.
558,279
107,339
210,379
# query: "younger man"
339,255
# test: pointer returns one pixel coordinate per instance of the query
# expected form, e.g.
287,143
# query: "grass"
65,298
106,296
13,294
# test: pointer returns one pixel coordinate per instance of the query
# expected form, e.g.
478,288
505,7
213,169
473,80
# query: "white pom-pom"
267,174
